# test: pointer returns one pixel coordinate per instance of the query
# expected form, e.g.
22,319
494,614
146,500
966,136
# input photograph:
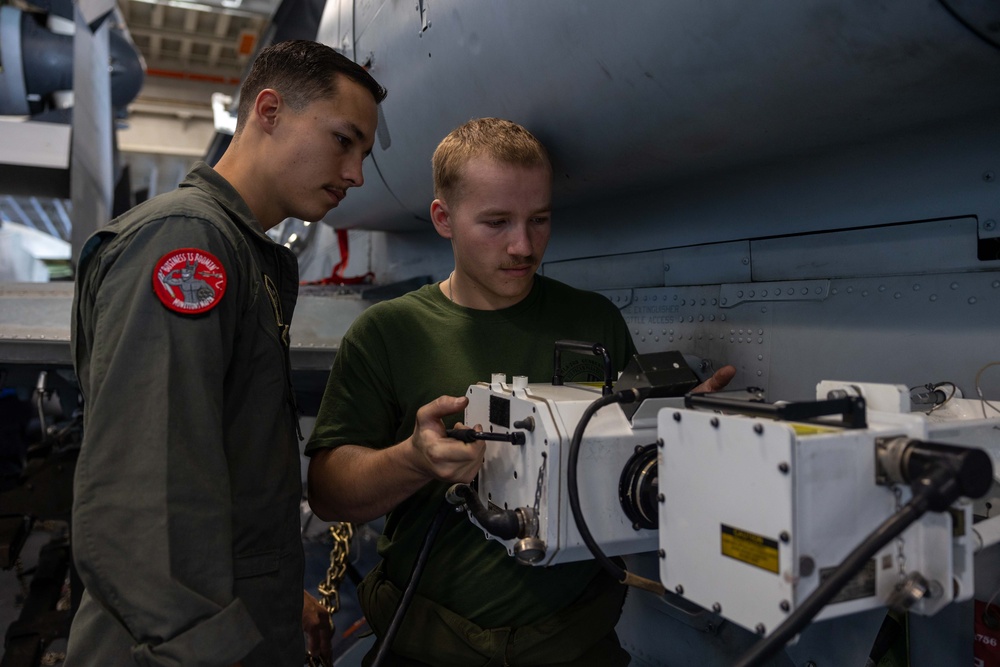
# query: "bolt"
677,416
662,498
659,442
989,176
715,422
784,536
717,608
679,589
783,467
758,429
784,605
760,629
990,225
661,553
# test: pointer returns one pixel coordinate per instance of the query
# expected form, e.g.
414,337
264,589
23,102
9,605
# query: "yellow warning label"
750,548
810,429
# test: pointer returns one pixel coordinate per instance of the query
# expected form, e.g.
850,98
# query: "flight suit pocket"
255,565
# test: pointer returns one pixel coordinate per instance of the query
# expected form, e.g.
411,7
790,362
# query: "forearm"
354,483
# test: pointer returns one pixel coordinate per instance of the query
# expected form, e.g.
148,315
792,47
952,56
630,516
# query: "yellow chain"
329,590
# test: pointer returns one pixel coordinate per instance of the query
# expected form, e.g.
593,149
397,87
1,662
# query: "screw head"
990,225
785,537
989,176
717,608
679,589
758,429
783,468
784,605
715,422
760,629
677,416
661,498
661,553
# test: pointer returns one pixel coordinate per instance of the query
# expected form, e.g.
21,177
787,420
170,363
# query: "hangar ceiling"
200,41
191,50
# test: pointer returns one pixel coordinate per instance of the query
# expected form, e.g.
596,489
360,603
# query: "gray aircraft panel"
630,98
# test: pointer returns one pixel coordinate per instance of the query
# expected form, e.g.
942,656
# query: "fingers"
441,407
719,380
441,457
452,460
317,627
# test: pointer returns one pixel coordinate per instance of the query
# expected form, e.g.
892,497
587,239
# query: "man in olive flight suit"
187,489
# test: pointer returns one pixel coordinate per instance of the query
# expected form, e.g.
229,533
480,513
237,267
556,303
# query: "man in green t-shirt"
400,379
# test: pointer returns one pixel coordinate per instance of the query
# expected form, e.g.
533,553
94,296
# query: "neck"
468,296
230,167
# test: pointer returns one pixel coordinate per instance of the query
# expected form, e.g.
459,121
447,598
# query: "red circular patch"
189,280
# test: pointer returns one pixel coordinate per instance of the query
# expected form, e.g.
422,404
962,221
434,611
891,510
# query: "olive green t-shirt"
400,355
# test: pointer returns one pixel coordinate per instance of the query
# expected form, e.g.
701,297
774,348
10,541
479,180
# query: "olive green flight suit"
186,511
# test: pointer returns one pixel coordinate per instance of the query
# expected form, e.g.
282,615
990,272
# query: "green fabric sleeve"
152,516
401,354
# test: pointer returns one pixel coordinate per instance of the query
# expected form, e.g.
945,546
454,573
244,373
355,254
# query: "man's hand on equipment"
717,382
439,456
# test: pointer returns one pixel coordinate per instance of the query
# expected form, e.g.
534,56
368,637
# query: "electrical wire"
926,492
573,491
979,389
857,559
573,488
411,585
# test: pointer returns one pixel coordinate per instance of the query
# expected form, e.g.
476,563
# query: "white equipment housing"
754,512
512,475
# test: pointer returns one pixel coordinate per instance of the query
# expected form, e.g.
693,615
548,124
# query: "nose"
354,172
519,244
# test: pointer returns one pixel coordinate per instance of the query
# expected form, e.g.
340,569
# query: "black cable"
411,586
572,485
885,533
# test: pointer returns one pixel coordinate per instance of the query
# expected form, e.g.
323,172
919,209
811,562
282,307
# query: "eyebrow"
502,211
359,135
356,130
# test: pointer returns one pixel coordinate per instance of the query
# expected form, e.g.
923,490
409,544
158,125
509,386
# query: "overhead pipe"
38,62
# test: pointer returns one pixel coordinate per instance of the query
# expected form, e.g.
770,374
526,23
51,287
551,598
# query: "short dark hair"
302,71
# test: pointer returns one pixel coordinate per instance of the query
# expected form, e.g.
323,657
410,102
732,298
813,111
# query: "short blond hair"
495,138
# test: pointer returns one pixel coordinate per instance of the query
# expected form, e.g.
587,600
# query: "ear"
441,218
265,109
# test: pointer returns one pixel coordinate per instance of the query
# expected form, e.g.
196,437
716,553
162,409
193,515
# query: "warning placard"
750,548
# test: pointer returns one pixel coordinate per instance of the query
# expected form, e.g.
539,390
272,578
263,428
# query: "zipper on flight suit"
273,294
